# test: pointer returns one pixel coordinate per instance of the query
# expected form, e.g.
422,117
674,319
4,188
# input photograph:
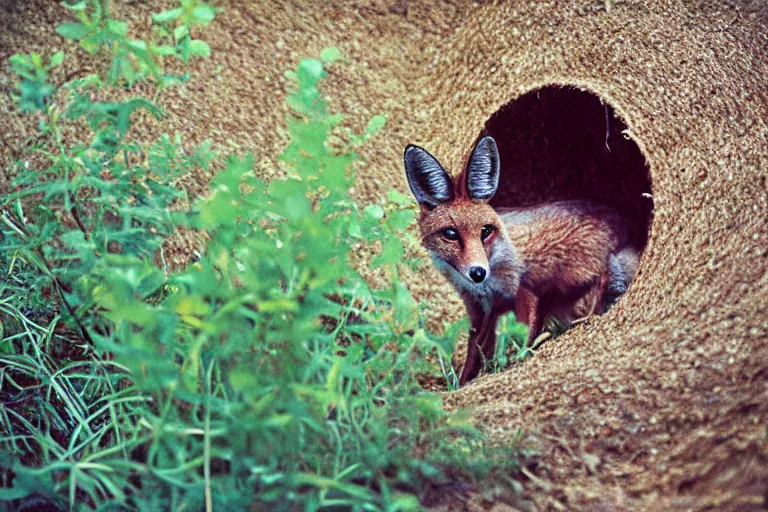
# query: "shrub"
267,373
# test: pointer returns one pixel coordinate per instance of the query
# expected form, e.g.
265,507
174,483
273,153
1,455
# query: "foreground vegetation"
267,373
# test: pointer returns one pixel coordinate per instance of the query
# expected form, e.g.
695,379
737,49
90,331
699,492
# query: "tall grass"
268,373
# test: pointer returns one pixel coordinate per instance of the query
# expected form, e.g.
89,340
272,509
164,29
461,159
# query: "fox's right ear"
483,170
429,182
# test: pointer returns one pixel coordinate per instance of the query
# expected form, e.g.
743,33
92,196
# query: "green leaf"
180,32
290,199
278,421
74,31
56,59
78,7
37,60
204,13
268,343
391,252
312,67
400,220
137,45
171,80
330,54
27,482
374,125
166,16
354,230
399,198
91,43
245,381
373,211
88,81
164,49
118,27
20,60
198,47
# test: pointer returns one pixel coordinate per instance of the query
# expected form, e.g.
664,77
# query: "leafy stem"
45,267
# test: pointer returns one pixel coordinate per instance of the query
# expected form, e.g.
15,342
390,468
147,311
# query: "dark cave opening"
559,143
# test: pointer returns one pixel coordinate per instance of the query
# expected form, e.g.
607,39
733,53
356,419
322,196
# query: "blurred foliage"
33,89
267,373
512,343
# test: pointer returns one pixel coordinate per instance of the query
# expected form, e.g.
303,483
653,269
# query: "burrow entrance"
560,142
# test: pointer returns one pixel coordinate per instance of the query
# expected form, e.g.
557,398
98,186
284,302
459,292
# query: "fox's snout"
473,266
468,271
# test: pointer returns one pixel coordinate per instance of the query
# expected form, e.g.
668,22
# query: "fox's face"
463,234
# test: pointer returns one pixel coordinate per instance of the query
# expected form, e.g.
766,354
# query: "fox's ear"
429,182
483,170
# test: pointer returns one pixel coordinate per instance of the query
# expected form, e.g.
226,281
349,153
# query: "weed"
268,373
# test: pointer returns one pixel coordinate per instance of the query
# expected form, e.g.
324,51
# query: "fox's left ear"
483,170
429,182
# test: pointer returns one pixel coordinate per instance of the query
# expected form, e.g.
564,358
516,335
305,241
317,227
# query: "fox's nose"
477,274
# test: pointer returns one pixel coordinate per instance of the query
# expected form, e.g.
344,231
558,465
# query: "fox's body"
572,250
565,259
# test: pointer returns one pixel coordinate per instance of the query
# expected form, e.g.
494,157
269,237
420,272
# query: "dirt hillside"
662,404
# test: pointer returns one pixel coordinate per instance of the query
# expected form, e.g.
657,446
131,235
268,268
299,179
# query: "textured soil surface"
661,404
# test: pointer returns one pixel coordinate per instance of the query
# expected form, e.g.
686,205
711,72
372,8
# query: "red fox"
565,259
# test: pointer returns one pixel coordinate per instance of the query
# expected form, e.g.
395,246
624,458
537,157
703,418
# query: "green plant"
33,89
132,59
267,373
512,342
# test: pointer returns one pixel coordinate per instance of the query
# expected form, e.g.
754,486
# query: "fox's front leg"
528,310
488,343
473,362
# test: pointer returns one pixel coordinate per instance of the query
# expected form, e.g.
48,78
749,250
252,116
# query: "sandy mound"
660,404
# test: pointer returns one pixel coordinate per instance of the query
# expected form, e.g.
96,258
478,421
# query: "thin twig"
78,220
207,441
540,339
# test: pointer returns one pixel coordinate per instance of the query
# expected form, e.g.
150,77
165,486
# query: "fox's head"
462,232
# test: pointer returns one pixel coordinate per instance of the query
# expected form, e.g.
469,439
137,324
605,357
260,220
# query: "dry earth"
662,403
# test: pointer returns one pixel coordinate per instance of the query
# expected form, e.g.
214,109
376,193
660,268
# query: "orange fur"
557,259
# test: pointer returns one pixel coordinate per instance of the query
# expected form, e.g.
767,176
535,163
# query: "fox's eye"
486,232
450,234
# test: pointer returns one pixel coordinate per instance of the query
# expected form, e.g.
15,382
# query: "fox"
565,259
